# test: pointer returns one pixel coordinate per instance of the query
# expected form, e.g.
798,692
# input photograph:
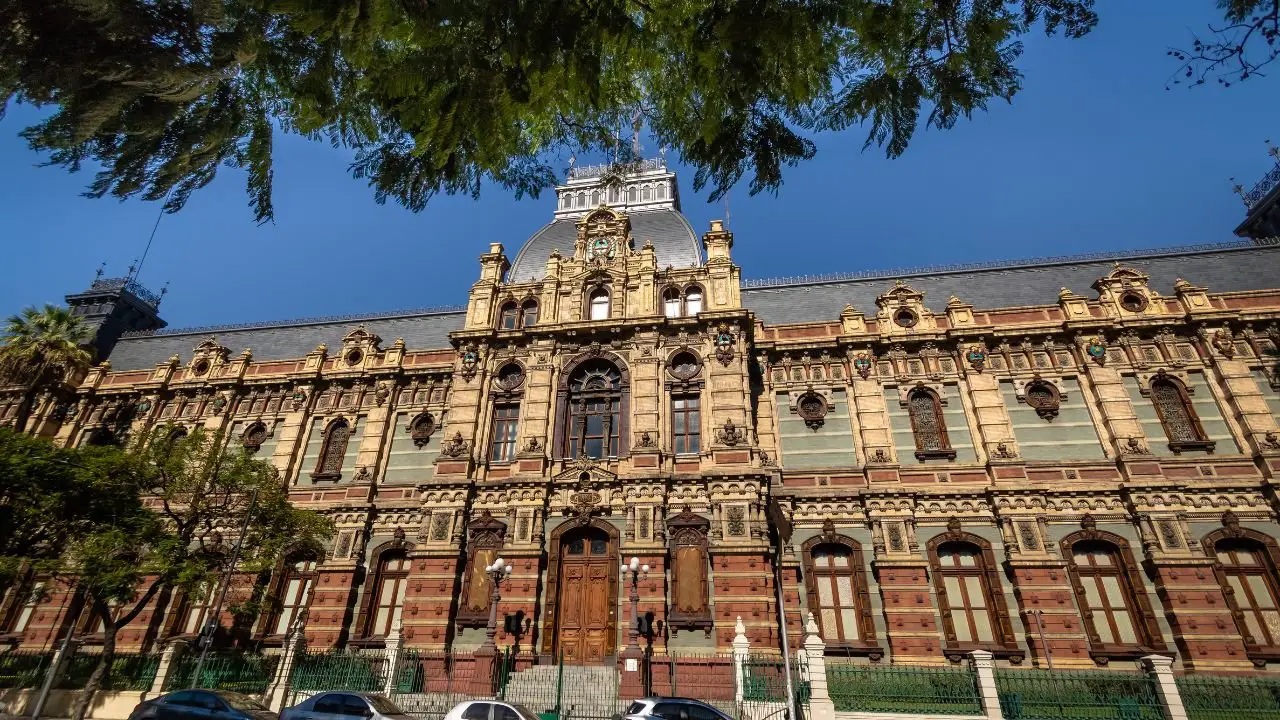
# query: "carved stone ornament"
584,502
421,429
1225,345
219,403
828,530
812,408
254,436
363,475
879,456
1044,398
766,460
646,440
299,398
381,394
977,358
1096,350
534,445
1002,451
1088,522
1134,446
862,364
724,345
1271,440
1232,524
143,406
470,357
731,434
455,446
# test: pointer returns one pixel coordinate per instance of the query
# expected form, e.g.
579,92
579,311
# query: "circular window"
510,377
354,357
905,318
684,365
812,407
421,428
1044,398
1133,302
201,367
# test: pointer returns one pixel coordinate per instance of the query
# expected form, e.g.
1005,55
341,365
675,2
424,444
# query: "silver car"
345,706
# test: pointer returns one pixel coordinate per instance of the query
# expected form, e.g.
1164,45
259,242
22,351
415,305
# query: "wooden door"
587,597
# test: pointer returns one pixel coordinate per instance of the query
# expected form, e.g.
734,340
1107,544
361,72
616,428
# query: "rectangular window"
296,593
686,424
505,419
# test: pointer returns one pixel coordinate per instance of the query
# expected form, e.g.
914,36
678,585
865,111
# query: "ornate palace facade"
1072,456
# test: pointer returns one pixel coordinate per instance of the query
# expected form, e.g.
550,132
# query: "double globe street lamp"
637,572
498,571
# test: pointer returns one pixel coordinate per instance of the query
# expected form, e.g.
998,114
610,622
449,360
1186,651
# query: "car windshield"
383,705
241,702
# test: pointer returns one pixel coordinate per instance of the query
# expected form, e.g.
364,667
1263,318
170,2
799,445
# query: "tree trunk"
103,667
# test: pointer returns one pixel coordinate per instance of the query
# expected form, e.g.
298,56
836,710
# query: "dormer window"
671,302
599,304
529,313
692,300
507,317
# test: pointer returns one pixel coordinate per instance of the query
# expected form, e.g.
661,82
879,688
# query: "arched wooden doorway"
585,573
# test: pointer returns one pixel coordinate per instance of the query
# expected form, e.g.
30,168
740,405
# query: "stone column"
168,663
984,666
821,706
1161,668
295,644
1256,420
1118,415
741,652
990,415
394,646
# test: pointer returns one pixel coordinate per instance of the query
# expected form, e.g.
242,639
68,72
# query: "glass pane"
380,621
983,621
577,546
694,303
1241,597
1115,594
829,629
1103,626
844,586
977,598
850,620
954,597
960,621
672,308
967,559
1261,593
1091,596
821,559
840,559
1124,626
1255,628
594,448
825,596
292,591
595,425
599,546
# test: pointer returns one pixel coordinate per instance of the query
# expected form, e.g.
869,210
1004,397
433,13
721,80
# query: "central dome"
646,192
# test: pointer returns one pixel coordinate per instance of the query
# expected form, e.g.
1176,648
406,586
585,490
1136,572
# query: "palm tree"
42,346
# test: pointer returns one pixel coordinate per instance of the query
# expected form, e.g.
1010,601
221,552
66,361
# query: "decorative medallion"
299,398
724,345
977,358
731,434
813,408
509,378
684,365
584,502
470,357
420,429
254,436
219,403
1044,398
1097,350
600,248
862,364
1225,345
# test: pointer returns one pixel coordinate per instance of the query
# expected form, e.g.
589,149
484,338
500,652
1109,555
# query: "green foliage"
435,97
42,345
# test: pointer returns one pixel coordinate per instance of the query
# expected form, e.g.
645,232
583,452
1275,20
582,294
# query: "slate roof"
1221,268
673,239
1225,267
288,340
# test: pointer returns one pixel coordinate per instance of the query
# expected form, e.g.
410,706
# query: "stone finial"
811,625
739,628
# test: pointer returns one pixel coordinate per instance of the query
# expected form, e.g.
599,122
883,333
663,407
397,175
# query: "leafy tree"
434,97
176,497
42,347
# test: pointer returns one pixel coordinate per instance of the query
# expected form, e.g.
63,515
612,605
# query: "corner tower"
114,306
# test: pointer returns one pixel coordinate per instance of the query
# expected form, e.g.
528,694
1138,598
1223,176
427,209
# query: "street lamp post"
497,571
636,571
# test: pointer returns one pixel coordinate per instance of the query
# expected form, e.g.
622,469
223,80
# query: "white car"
345,706
488,710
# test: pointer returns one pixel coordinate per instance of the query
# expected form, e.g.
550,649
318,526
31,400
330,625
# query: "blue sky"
1093,154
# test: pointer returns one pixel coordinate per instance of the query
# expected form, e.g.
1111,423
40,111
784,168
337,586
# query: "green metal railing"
240,672
893,689
1230,698
763,679
359,671
1085,695
23,668
129,671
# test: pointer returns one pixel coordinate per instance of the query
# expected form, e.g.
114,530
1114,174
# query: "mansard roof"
672,237
1223,267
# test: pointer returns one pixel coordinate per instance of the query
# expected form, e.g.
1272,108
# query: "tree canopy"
42,347
436,97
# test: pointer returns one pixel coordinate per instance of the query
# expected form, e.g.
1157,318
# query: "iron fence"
1083,695
21,669
355,670
1229,698
563,690
246,673
901,689
429,683
128,671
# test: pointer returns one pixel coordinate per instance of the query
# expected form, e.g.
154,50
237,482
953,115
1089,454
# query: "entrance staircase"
584,691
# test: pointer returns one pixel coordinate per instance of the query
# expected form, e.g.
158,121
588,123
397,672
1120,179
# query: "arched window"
594,423
389,584
506,418
671,302
928,425
599,301
837,587
582,199
613,194
529,313
1247,568
595,198
647,193
965,595
508,316
293,591
631,194
1103,577
564,202
1173,406
332,451
692,300
662,192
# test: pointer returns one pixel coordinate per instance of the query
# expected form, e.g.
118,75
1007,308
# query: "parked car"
671,708
202,705
344,706
490,710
